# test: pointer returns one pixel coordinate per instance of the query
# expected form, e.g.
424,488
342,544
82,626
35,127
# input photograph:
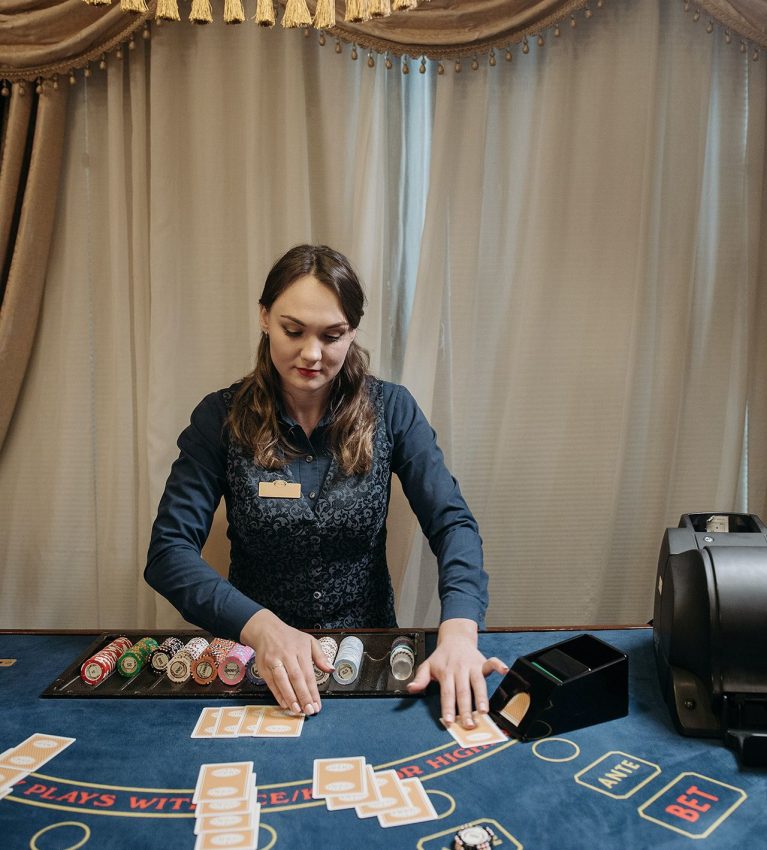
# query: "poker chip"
205,668
474,837
329,649
402,658
232,669
180,666
348,661
160,657
134,658
100,666
252,674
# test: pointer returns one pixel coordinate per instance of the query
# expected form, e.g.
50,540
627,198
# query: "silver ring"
278,664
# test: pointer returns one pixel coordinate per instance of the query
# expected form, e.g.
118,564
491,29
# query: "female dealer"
302,450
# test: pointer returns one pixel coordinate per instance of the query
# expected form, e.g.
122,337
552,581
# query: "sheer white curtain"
576,310
584,330
189,170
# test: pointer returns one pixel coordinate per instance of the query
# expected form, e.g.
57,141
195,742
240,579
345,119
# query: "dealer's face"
309,337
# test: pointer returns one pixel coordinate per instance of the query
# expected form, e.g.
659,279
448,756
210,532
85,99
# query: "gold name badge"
279,489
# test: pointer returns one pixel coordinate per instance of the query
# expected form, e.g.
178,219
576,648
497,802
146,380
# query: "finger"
319,659
463,700
447,698
299,686
479,686
422,678
494,665
312,706
268,677
282,683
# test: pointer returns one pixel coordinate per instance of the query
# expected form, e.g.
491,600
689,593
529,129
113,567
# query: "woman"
302,450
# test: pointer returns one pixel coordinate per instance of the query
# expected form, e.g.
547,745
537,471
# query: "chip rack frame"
374,680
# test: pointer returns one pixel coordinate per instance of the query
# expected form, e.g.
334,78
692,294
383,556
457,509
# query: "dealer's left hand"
460,668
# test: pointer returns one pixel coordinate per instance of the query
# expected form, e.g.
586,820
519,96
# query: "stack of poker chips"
232,669
349,660
205,668
329,649
100,666
160,657
180,666
134,658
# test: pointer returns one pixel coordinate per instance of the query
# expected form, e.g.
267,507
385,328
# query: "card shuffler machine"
710,629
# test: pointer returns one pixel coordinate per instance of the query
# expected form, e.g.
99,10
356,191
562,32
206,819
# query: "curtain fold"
30,166
41,38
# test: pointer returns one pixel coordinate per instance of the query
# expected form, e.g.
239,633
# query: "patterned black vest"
322,566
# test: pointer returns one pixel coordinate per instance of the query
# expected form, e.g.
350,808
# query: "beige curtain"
562,263
49,40
30,162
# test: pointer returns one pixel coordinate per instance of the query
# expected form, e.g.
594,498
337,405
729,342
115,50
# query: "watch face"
473,835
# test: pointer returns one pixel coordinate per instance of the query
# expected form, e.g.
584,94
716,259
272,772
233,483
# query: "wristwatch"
473,838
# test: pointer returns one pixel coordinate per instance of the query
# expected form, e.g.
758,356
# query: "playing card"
419,807
206,724
230,807
9,776
351,801
224,781
245,839
251,720
228,722
391,795
34,752
278,723
339,776
228,822
485,732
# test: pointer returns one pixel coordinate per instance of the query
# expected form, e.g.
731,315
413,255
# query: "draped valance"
42,38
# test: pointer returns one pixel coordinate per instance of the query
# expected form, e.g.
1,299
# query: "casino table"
127,780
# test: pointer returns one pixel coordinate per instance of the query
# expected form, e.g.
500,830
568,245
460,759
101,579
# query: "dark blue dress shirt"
199,478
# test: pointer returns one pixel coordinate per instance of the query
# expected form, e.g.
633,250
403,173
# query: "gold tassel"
99,2
201,12
133,5
380,8
399,5
167,10
233,12
296,14
325,14
357,11
265,13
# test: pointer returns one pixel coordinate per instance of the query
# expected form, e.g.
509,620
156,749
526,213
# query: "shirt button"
312,495
309,458
318,625
317,594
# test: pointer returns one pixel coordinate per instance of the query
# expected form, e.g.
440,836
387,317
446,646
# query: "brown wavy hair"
253,420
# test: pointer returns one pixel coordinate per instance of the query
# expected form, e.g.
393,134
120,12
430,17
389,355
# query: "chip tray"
374,679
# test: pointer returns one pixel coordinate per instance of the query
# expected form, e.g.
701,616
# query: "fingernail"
309,709
448,718
468,722
317,707
482,706
296,708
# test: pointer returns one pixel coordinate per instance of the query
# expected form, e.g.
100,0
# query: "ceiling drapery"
43,38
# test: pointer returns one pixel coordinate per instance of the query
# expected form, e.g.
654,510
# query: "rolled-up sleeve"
175,567
436,500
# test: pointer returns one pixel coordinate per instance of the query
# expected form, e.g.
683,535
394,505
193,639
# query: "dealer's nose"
311,351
